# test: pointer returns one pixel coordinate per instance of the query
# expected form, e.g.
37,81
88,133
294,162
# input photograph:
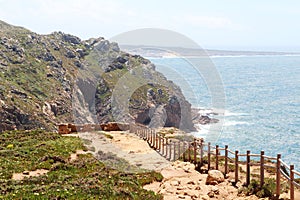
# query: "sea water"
262,109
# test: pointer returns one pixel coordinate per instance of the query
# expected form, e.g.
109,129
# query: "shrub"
267,190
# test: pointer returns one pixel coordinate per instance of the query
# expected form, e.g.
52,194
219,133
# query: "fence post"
226,160
174,148
201,153
156,140
292,187
195,152
159,142
248,168
150,138
217,157
262,171
189,144
170,150
162,144
153,139
179,149
278,175
183,155
236,169
166,148
208,156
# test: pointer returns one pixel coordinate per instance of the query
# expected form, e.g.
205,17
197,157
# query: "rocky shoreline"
199,118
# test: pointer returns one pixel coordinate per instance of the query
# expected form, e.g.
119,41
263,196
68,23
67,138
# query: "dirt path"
127,146
181,180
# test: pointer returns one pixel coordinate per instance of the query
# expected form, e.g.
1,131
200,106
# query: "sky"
212,24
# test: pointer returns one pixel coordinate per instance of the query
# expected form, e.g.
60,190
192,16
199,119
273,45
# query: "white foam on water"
235,123
202,130
228,113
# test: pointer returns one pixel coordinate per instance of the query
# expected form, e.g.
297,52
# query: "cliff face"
57,78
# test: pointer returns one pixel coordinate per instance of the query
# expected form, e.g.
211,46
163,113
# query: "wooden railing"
198,152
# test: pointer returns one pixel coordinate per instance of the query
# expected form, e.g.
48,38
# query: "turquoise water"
262,101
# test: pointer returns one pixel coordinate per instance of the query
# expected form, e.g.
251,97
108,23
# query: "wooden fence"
198,152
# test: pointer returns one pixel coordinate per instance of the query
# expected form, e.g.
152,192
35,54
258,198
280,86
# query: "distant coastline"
170,52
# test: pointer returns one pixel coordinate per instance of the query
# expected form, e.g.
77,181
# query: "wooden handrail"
231,152
296,184
297,173
270,166
284,164
285,175
255,155
269,157
254,164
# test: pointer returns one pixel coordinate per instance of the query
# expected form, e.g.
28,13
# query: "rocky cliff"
57,78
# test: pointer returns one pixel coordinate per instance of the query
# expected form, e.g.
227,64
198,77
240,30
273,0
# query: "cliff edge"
59,78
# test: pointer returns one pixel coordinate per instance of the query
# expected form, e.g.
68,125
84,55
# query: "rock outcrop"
58,78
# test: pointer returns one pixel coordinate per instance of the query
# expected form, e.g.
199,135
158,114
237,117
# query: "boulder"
70,54
63,129
214,177
206,120
215,189
114,126
71,39
205,197
211,194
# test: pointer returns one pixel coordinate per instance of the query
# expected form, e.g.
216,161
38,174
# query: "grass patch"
84,178
267,190
108,136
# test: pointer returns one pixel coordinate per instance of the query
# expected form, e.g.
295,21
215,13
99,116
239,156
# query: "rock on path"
182,181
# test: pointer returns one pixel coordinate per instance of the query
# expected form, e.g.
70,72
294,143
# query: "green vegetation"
138,99
267,190
108,136
84,178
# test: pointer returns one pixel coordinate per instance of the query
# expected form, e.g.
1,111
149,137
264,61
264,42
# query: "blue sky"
219,24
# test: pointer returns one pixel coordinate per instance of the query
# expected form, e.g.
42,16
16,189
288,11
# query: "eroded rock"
214,177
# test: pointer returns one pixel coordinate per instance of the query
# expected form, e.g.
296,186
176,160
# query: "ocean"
262,101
